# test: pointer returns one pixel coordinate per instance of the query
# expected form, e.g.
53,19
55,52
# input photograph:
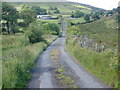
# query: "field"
102,31
76,20
101,64
82,7
49,21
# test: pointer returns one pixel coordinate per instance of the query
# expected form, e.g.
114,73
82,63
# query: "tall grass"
103,30
104,64
19,57
13,41
17,63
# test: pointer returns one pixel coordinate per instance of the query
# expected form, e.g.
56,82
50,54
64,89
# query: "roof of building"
43,15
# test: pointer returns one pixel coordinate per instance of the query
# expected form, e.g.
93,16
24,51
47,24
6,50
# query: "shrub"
77,14
36,33
87,17
52,28
95,16
4,29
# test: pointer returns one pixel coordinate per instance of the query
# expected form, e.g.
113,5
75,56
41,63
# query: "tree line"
79,14
10,16
95,15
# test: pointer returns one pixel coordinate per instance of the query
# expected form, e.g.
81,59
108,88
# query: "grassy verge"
103,65
18,58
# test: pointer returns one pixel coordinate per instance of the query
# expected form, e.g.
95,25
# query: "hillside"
95,46
104,30
65,8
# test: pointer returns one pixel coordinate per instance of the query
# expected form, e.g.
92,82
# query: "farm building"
44,17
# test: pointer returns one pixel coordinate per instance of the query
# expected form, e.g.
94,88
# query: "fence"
86,42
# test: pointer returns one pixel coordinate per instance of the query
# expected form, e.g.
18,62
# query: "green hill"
65,7
103,64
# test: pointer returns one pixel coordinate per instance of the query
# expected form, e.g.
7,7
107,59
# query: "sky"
105,4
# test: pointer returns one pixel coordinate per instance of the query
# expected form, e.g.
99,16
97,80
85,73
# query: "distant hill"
66,8
89,6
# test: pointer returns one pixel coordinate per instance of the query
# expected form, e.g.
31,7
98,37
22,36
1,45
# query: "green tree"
95,16
54,9
52,28
59,19
77,14
24,7
28,15
118,16
35,33
87,17
110,12
57,11
39,11
10,15
100,13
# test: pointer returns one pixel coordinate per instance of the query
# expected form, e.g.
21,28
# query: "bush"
87,17
36,33
52,28
95,16
4,29
77,14
22,24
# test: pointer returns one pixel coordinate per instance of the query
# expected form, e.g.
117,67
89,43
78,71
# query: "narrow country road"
42,75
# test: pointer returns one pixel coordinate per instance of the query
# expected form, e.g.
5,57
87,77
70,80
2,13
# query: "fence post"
96,46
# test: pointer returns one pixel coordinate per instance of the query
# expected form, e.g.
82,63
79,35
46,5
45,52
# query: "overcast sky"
105,4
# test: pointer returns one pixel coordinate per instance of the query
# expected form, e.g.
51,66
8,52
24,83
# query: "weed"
60,70
55,54
64,79
73,86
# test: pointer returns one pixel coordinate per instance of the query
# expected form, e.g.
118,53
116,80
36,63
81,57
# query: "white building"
44,17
